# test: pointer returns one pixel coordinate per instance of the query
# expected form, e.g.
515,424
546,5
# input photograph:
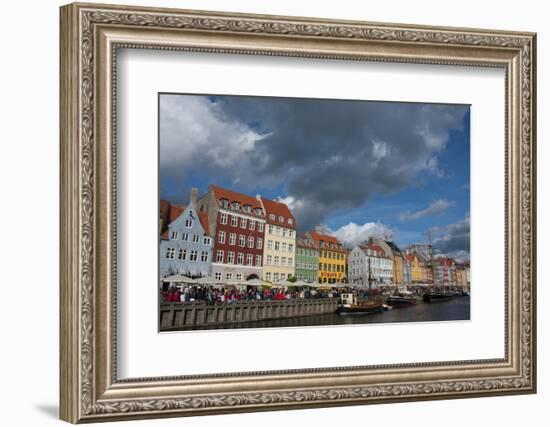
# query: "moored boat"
437,297
349,305
401,300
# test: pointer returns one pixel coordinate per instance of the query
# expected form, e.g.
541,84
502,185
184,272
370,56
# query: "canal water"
457,308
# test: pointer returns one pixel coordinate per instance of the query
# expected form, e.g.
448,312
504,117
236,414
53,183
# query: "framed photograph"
265,213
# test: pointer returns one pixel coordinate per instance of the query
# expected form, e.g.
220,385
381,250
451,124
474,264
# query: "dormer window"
224,203
258,211
272,217
236,205
248,208
290,221
281,219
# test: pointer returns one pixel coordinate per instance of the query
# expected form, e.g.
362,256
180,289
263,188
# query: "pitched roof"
233,196
318,237
175,212
307,243
279,210
203,218
372,247
395,249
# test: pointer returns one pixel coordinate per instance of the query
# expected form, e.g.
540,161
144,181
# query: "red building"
237,222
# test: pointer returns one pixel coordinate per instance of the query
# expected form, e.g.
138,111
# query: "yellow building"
279,242
332,258
416,268
398,275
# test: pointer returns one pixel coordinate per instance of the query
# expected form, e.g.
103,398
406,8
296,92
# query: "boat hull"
371,309
401,302
430,298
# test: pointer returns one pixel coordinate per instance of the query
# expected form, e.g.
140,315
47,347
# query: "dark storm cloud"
453,239
327,155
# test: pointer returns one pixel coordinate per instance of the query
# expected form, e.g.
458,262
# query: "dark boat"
348,305
401,300
437,297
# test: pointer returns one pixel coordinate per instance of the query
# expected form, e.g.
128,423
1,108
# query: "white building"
369,261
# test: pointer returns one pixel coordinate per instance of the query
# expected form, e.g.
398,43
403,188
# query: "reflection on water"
456,309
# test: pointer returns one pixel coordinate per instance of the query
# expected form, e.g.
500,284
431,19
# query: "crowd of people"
221,295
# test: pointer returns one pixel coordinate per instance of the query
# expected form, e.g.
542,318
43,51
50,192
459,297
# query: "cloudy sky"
359,168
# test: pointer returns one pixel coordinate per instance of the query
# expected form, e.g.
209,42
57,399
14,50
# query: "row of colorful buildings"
232,236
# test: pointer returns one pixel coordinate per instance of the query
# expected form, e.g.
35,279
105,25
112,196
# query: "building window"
249,259
223,218
250,241
242,240
248,208
193,256
228,276
290,247
204,256
234,220
290,221
170,253
275,277
261,227
290,261
283,260
240,258
268,276
258,260
207,241
221,236
174,235
272,217
224,203
189,223
284,247
236,205
182,254
252,225
196,238
243,223
259,243
284,232
271,229
232,238
218,275
231,257
239,276
269,260
270,244
185,237
277,245
276,260
219,256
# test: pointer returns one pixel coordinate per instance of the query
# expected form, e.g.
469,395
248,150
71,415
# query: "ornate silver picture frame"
91,390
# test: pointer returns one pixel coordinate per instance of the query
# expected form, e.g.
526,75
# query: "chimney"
193,196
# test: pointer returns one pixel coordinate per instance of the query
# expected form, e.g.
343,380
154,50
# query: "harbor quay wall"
189,315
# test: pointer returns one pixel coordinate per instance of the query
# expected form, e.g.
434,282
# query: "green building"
307,260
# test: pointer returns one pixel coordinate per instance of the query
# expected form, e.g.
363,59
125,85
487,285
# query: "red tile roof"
278,209
318,237
307,244
175,212
233,196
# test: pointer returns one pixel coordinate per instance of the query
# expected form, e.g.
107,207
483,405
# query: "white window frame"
223,218
219,254
232,239
231,257
221,237
240,258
